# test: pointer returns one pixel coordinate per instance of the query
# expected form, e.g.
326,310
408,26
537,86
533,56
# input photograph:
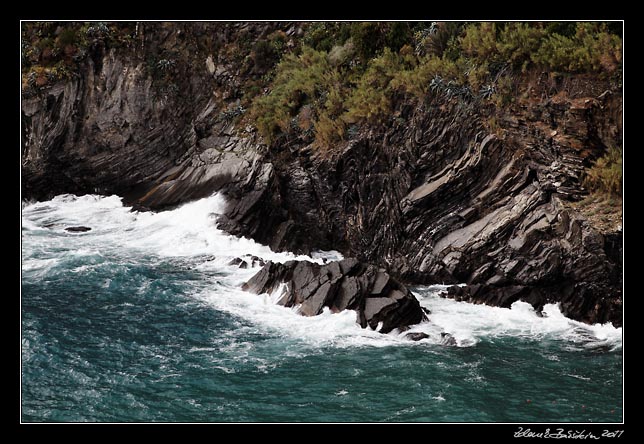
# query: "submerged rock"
77,229
447,339
345,285
416,336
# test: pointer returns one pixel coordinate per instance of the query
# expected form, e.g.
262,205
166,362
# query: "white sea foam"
468,323
188,233
326,329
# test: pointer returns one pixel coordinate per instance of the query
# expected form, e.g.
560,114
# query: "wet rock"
447,339
79,229
257,261
247,261
416,336
344,285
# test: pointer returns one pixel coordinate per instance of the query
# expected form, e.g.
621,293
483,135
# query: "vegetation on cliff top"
345,74
322,85
51,51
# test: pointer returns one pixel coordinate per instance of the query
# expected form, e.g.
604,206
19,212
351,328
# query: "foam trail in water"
468,323
326,329
188,233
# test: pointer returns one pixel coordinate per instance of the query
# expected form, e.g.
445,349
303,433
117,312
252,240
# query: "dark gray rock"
447,339
247,261
77,229
236,262
416,336
257,261
344,285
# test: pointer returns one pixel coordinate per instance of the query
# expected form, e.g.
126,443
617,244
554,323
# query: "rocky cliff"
448,190
380,301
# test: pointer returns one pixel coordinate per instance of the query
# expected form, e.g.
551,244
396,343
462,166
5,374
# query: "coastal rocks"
548,255
115,127
380,301
416,336
77,229
448,340
247,261
445,191
445,339
441,200
589,303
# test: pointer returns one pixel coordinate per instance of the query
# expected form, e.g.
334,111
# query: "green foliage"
592,48
67,36
398,35
417,79
263,56
371,99
342,54
479,41
47,44
351,73
366,38
566,29
517,42
437,38
278,41
605,176
328,131
299,80
322,36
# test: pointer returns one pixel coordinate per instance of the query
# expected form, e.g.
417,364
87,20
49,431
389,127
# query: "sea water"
141,319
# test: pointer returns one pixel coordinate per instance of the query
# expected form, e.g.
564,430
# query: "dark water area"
141,319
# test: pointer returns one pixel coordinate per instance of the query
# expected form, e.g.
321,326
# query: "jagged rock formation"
345,285
440,200
434,195
247,261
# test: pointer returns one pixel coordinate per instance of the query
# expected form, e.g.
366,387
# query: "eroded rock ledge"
344,285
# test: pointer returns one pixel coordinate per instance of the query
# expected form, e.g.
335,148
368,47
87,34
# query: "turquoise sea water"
141,319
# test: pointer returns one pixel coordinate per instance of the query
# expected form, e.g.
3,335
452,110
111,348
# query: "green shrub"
67,36
437,38
566,29
479,41
342,54
278,41
398,35
517,42
263,55
371,98
417,79
299,80
322,36
592,48
366,38
328,131
605,176
354,72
